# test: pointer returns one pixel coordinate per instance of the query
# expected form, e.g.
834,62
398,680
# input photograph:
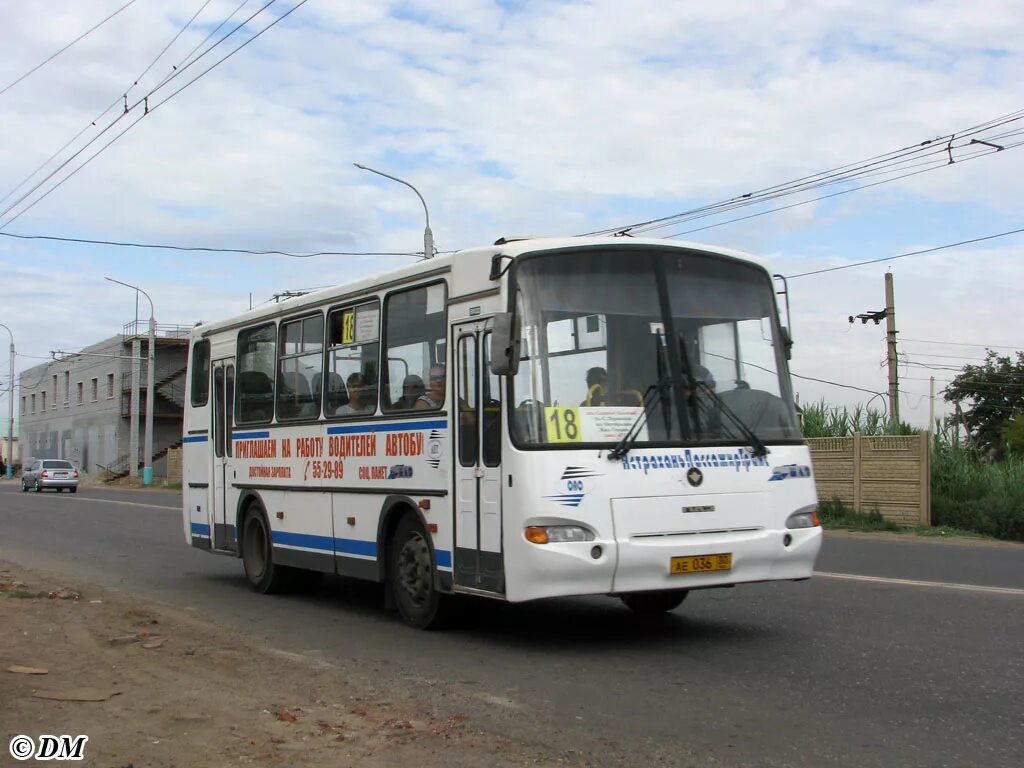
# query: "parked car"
50,473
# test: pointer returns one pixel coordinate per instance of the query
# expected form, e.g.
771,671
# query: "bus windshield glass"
682,347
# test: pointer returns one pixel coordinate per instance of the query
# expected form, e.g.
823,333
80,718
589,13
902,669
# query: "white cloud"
588,110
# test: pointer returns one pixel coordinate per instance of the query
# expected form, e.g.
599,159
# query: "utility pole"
931,403
10,411
889,315
890,335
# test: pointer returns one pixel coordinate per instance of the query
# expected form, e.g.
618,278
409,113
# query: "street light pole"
10,411
147,453
428,236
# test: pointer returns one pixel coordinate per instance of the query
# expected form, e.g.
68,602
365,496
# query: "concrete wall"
891,474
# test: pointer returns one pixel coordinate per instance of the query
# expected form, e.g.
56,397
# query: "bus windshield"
682,346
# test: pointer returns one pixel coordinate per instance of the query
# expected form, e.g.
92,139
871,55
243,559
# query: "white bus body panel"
644,511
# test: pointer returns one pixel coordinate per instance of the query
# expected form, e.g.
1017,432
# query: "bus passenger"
433,398
597,387
360,398
412,389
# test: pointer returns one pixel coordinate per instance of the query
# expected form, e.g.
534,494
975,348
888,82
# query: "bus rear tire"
258,556
411,573
654,603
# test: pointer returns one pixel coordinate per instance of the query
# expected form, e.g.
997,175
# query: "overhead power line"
207,249
962,344
905,255
940,149
118,100
51,57
149,108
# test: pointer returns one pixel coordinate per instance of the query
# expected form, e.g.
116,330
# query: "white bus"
538,418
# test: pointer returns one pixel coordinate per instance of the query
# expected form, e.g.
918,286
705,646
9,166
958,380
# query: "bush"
976,495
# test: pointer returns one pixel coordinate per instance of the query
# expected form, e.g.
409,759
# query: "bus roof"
439,265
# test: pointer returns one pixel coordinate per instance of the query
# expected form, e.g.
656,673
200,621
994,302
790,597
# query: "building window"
33,403
54,403
22,405
110,385
254,388
201,373
67,388
44,402
414,336
95,389
81,393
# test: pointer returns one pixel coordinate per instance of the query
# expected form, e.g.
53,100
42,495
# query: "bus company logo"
573,486
399,471
435,448
787,471
48,747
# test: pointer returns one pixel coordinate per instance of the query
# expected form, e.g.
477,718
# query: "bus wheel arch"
409,563
247,501
255,544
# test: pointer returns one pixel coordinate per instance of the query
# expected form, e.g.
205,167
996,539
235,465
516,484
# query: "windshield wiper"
758,446
626,443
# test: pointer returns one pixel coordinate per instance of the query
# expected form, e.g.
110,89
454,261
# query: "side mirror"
787,343
505,344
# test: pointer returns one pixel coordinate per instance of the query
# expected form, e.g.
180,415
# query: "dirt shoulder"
171,689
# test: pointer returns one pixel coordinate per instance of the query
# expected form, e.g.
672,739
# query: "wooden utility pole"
890,334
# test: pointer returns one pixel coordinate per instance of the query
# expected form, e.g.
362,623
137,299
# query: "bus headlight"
557,534
805,517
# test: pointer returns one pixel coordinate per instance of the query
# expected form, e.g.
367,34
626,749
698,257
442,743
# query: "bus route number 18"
563,424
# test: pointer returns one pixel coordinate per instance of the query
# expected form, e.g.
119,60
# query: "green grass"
823,420
975,495
834,514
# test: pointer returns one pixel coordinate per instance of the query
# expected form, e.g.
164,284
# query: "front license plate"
701,563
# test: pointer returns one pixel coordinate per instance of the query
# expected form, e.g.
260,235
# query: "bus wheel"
654,603
411,577
257,556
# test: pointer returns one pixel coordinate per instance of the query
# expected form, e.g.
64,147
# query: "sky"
541,118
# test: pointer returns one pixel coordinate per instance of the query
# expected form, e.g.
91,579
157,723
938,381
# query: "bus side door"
476,421
223,416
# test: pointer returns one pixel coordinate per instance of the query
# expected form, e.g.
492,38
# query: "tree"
995,391
1013,435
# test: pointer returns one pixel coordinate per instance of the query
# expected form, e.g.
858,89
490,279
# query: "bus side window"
414,335
491,406
200,373
254,399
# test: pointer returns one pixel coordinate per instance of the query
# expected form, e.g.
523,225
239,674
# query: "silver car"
50,473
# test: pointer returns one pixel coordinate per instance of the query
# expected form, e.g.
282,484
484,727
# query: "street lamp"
10,411
428,236
147,454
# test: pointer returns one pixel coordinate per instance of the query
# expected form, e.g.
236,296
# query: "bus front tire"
654,603
257,556
411,577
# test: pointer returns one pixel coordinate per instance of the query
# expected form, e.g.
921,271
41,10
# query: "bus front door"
223,410
476,422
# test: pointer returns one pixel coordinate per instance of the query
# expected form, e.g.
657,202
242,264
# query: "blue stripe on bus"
195,439
326,543
388,426
200,529
342,546
249,435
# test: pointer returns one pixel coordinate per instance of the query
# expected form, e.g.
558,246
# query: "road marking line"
915,583
69,497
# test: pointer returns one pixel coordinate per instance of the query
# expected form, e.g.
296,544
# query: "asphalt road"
830,672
